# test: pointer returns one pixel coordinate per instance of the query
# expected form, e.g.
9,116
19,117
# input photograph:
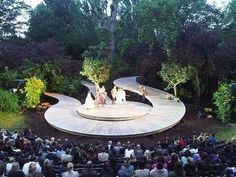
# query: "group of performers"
118,96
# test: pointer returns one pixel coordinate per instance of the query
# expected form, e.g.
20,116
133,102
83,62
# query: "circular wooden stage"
119,112
133,119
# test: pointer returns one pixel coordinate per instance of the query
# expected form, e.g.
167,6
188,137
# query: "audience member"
178,170
89,172
15,171
126,170
143,170
48,169
31,166
159,171
70,171
107,171
103,156
129,152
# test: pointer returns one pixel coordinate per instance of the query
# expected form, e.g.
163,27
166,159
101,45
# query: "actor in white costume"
120,96
89,102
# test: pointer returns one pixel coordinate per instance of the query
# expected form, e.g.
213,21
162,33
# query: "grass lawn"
12,121
226,132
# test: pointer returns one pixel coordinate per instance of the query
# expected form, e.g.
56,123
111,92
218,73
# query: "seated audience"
23,154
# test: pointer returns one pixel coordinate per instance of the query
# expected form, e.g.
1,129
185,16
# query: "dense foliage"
68,22
33,89
65,85
7,77
8,102
223,101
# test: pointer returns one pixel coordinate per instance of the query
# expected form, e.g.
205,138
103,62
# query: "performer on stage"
102,96
114,94
89,102
143,91
121,96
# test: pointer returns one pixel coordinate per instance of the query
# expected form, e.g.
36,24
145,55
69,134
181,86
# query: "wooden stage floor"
163,114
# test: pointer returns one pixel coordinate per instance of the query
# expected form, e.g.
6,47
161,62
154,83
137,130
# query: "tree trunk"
112,47
175,90
198,89
112,23
96,94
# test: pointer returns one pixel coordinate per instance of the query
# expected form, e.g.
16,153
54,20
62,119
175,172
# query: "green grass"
12,121
227,131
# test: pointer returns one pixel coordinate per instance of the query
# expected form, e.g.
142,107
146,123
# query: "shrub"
185,95
8,102
64,84
222,100
7,76
34,88
119,68
44,71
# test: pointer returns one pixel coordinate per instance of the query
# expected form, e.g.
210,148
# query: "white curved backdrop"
164,115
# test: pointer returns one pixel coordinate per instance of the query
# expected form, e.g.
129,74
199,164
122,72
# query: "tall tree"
10,11
161,21
127,32
230,18
106,21
66,21
197,45
109,19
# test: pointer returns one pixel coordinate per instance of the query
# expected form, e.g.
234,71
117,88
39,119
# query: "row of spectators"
25,154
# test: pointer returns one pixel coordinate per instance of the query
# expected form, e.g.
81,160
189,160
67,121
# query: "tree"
108,19
230,18
198,45
13,53
10,10
160,21
106,22
198,84
66,21
34,88
174,74
126,30
97,71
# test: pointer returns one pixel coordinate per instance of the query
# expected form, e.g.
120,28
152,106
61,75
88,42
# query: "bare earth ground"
189,126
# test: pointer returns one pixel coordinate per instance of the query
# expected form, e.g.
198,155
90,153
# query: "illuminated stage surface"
116,112
163,114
